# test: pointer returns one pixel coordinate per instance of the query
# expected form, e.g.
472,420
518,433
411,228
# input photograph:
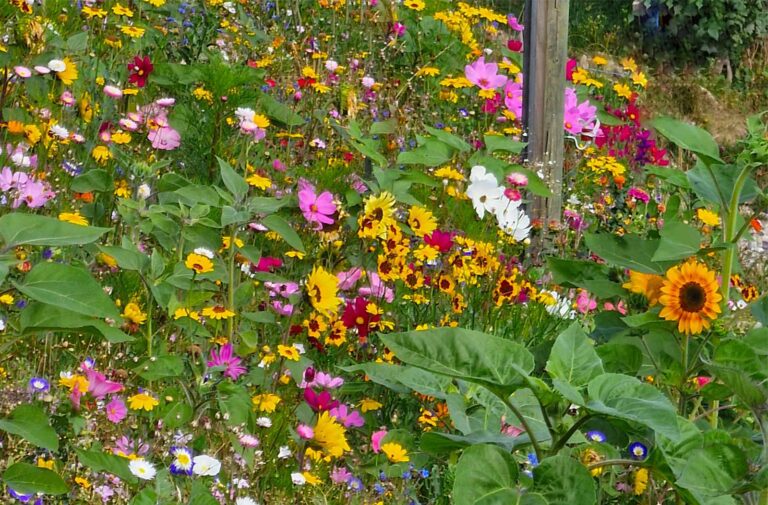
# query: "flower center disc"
692,297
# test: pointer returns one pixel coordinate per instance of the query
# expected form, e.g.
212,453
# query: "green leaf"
127,259
30,229
713,470
68,287
234,182
715,183
465,354
449,139
564,481
441,443
284,229
148,496
629,251
93,180
432,153
29,479
670,174
201,496
739,367
30,423
103,462
78,42
179,414
160,367
383,127
678,241
627,398
404,378
573,357
279,111
38,316
760,310
688,137
495,143
235,402
485,475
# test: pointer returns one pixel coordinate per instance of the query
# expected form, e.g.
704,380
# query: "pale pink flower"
484,75
376,439
116,410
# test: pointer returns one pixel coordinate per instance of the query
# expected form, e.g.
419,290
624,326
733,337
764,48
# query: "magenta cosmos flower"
225,357
316,208
484,75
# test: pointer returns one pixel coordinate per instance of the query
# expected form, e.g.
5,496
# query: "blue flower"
182,461
638,450
424,473
39,385
378,488
355,484
533,460
596,436
23,498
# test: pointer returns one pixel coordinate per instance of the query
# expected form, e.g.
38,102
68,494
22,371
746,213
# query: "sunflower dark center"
692,297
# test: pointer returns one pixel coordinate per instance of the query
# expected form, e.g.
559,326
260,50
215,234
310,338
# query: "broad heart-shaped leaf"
629,251
713,470
627,398
29,229
760,310
432,153
30,423
103,462
160,367
449,138
564,481
404,378
127,259
279,111
715,183
573,357
41,316
68,287
495,143
443,443
465,354
232,180
284,229
485,474
93,180
29,479
678,241
738,366
688,137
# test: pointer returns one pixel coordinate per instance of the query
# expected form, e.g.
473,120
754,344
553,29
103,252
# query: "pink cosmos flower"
639,194
34,194
584,303
376,288
319,401
284,309
484,75
619,307
305,432
99,386
116,410
317,208
376,438
225,357
340,475
513,98
578,116
346,417
348,278
514,23
164,138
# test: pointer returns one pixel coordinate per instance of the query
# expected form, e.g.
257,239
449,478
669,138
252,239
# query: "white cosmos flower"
512,220
206,465
484,190
202,251
57,65
298,479
142,469
264,422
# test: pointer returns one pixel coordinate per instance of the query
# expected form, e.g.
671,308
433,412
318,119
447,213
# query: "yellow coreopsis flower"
72,381
599,60
74,218
143,401
6,299
266,402
132,31
428,71
417,5
69,74
120,10
259,181
288,352
261,121
368,404
217,312
395,452
133,313
622,90
330,435
708,217
199,263
640,79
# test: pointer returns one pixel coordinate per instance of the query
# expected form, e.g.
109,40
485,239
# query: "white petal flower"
57,65
512,220
298,479
142,469
245,500
206,465
284,452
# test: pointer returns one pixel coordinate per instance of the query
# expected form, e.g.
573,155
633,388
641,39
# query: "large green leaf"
629,251
233,181
160,367
103,462
485,475
573,357
564,481
285,230
678,241
687,136
465,354
739,367
715,183
200,495
29,479
30,423
449,138
279,111
760,310
127,258
443,443
713,470
495,143
626,397
30,229
41,316
93,180
68,287
404,378
432,153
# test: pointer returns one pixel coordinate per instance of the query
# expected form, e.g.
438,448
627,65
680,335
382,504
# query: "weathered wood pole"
545,46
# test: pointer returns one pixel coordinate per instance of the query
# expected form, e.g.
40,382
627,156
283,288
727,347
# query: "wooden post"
545,46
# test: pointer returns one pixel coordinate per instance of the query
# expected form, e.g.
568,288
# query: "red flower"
306,82
515,45
319,401
140,70
356,316
440,240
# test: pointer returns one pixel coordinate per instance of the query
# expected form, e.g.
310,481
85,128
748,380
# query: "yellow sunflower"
648,285
322,288
199,263
421,221
330,436
377,216
690,296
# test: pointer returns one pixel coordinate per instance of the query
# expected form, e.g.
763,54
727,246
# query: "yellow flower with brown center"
648,285
199,263
217,312
417,5
322,288
395,452
330,435
690,296
132,31
143,401
377,216
259,181
288,352
120,10
74,218
421,221
428,71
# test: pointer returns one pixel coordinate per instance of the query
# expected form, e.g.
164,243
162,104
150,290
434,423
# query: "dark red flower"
440,240
319,401
515,45
140,70
356,316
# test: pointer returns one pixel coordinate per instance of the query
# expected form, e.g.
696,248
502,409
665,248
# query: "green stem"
568,434
619,462
524,423
730,232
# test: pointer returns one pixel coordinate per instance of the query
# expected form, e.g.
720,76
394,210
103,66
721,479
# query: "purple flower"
346,417
226,358
340,475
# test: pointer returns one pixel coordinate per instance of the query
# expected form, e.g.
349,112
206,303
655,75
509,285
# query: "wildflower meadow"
286,252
